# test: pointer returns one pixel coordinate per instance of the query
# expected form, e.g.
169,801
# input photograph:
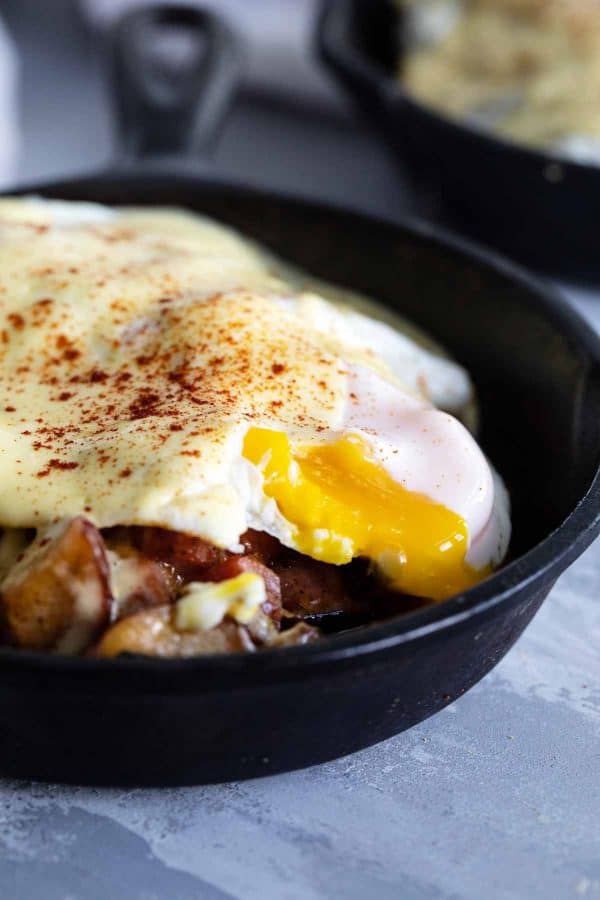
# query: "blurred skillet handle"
343,29
175,69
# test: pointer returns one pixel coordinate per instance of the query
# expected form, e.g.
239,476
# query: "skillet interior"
537,370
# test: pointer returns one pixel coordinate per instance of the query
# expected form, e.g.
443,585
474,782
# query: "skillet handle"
174,70
341,25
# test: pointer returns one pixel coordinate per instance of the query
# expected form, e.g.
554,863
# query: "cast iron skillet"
541,208
536,365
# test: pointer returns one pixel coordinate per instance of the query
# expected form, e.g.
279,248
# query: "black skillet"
536,365
541,208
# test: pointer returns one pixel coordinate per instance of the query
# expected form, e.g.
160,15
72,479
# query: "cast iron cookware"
540,207
536,366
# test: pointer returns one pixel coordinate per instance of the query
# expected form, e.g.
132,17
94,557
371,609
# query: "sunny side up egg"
159,369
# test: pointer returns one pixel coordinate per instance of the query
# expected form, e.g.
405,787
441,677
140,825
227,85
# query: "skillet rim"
390,90
542,563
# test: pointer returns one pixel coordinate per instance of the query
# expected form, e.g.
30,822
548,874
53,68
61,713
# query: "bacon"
192,556
189,556
310,587
261,545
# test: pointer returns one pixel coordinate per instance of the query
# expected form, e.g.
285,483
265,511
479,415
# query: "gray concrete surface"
497,797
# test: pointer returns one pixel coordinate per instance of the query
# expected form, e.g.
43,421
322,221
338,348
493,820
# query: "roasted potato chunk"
295,637
153,633
57,596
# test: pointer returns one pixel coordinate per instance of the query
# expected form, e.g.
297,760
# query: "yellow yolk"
342,504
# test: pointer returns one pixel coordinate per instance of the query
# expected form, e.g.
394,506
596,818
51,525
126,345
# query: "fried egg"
159,369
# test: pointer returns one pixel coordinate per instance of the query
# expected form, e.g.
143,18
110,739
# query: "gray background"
499,795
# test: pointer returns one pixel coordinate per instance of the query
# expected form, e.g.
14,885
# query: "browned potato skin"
57,597
153,633
296,636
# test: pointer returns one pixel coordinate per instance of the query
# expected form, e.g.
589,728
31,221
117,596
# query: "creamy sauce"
139,348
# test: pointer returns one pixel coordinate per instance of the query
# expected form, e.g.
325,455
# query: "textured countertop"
498,796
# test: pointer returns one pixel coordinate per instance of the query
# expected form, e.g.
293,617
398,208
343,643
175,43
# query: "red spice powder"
17,321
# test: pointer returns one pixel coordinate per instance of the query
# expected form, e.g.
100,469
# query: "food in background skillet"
202,454
529,69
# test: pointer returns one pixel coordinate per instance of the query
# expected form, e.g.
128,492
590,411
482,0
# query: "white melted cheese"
205,604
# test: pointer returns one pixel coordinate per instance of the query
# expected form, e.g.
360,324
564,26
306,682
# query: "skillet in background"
536,366
539,207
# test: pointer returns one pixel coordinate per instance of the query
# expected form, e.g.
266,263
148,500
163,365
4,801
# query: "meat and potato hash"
77,590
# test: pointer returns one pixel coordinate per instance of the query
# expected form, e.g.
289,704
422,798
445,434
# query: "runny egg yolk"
342,504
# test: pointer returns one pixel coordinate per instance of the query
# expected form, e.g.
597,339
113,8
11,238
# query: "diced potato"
295,637
153,633
57,597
